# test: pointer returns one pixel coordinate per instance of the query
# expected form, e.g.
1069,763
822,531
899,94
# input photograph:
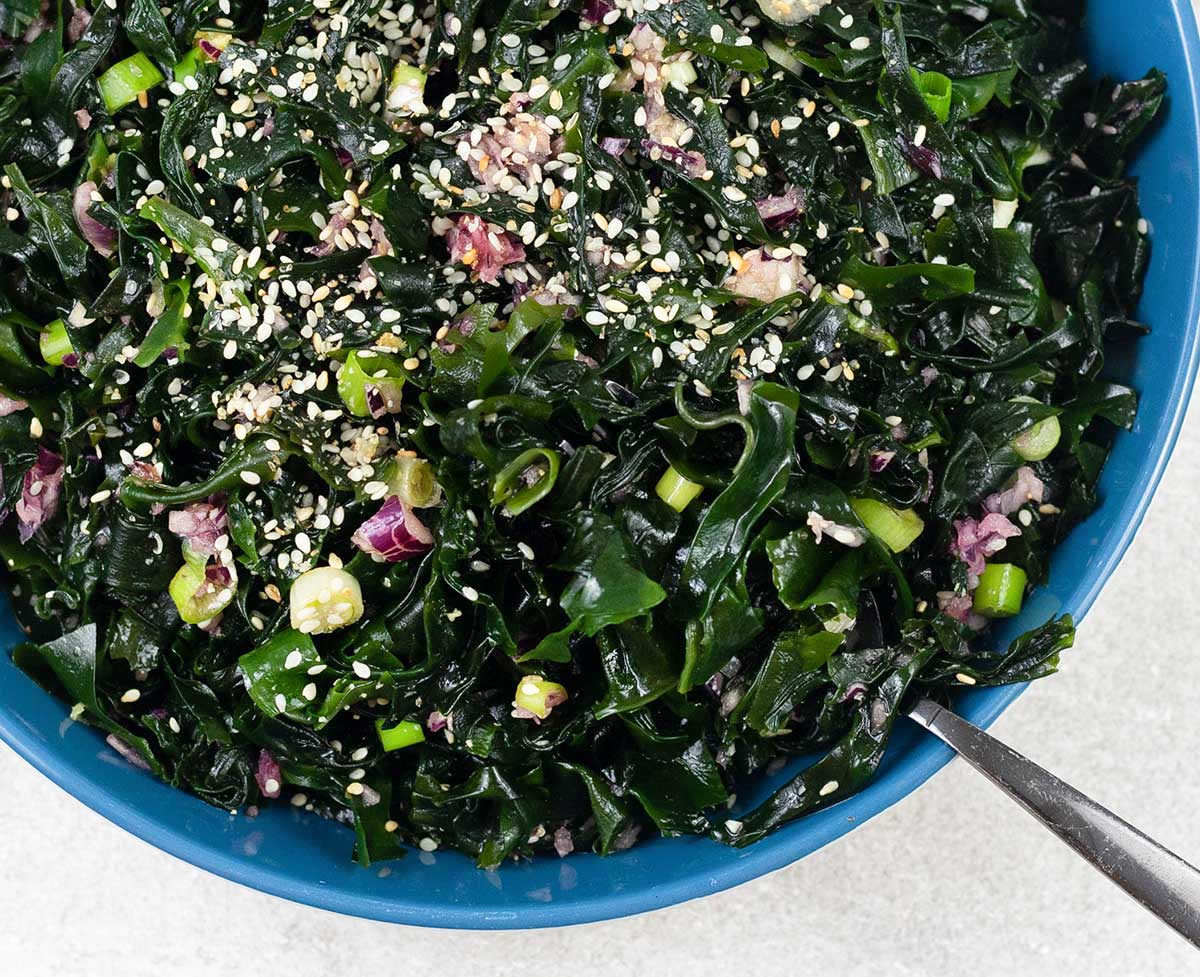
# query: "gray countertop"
954,876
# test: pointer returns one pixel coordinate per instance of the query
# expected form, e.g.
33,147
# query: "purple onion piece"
200,524
128,752
10,405
614,145
880,460
594,11
268,774
40,491
436,722
100,236
780,210
925,160
210,49
693,164
393,534
343,157
488,249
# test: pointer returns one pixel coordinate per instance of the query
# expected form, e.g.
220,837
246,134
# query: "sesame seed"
362,669
251,478
131,695
828,788
860,43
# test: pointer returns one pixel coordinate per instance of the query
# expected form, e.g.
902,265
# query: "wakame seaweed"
513,427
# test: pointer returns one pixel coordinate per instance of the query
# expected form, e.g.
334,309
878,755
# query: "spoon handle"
1157,878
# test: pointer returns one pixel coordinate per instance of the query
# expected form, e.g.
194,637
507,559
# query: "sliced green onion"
197,599
413,481
364,370
676,490
936,89
525,480
126,80
54,343
895,528
1036,443
406,90
397,737
324,599
189,64
538,696
1001,590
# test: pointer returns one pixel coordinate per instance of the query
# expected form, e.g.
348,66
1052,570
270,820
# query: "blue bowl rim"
757,861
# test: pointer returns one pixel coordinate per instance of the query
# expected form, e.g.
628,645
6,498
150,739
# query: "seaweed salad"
515,427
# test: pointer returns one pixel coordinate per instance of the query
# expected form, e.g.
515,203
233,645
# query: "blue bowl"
288,853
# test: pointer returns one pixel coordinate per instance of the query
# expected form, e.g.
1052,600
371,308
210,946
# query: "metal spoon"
1160,880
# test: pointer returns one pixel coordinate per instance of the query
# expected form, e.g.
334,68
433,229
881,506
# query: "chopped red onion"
200,524
10,405
436,722
960,607
127,751
519,144
1025,487
393,534
855,692
345,160
268,774
40,492
100,236
210,49
213,624
84,118
929,374
217,576
614,145
384,396
594,11
880,460
80,19
486,249
693,164
564,844
976,540
781,210
924,159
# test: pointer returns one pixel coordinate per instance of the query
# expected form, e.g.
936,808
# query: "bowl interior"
301,857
